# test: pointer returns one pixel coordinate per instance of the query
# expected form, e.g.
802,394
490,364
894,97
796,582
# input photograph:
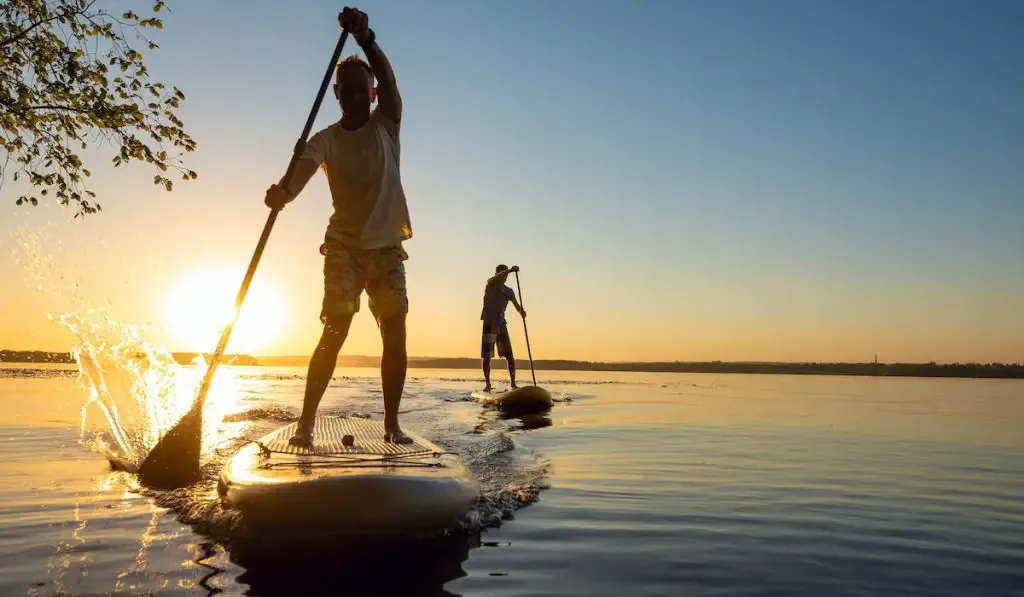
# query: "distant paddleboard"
366,486
524,399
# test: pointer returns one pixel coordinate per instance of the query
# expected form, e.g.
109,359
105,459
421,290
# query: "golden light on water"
203,302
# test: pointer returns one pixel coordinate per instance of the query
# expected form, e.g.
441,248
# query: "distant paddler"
495,329
495,332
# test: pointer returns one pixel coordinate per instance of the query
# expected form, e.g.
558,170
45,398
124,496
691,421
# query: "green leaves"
57,58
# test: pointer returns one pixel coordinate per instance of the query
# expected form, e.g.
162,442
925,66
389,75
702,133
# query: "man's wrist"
367,40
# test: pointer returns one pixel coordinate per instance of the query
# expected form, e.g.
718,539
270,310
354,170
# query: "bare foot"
514,386
487,388
303,436
395,436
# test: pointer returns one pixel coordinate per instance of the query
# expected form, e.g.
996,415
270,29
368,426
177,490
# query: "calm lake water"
634,484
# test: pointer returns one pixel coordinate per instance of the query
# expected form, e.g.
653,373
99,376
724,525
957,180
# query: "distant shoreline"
961,370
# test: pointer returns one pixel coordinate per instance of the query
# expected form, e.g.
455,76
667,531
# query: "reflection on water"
104,513
492,420
364,567
529,421
206,554
125,579
65,558
651,485
71,526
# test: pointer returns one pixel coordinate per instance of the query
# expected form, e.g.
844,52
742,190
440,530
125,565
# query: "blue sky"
678,180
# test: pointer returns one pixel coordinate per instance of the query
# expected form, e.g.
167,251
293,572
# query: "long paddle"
174,461
525,331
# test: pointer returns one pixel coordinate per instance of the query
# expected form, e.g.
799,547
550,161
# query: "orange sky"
753,204
130,261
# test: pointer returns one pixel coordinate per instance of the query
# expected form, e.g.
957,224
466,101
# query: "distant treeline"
242,360
992,370
39,356
984,370
34,356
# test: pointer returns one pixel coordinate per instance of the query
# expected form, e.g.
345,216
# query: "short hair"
355,59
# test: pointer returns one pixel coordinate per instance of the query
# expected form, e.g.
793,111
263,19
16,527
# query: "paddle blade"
175,460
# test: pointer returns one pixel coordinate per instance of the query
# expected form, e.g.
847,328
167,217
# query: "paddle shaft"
300,146
526,332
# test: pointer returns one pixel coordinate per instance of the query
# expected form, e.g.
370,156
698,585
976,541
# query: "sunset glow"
777,212
202,303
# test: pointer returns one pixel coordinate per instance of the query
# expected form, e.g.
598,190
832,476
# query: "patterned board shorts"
348,271
495,333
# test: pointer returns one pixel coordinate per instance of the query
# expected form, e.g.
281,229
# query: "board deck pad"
371,487
328,432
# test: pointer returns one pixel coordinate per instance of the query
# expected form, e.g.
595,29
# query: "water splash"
137,387
121,372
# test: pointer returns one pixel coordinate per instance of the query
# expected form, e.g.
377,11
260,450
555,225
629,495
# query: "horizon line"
256,357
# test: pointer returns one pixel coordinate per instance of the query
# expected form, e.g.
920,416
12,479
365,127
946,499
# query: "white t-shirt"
362,170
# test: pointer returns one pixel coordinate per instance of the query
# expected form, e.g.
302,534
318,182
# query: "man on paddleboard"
495,329
363,244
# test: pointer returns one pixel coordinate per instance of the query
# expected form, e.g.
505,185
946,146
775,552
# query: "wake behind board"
370,486
524,399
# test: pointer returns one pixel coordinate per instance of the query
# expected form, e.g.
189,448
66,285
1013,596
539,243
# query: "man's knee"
335,331
392,333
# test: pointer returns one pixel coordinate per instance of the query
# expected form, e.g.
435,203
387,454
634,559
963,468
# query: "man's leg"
392,373
321,366
389,303
505,349
343,283
487,340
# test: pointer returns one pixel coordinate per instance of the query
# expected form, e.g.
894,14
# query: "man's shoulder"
318,146
330,130
385,123
324,135
327,129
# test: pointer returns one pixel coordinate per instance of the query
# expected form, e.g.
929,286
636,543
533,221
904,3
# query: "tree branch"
59,87
25,32
58,109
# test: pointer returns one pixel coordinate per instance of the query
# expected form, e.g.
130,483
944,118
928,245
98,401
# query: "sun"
203,302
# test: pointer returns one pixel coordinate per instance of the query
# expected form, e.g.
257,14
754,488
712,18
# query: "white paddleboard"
521,399
371,486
